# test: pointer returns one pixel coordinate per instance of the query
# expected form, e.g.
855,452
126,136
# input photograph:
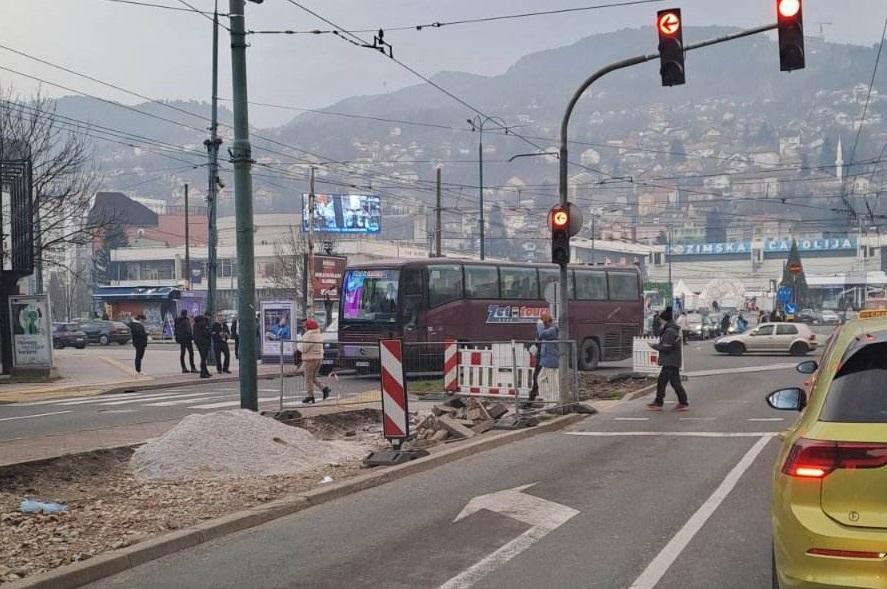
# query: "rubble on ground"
456,419
597,386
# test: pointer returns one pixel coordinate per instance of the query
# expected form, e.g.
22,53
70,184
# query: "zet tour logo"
513,314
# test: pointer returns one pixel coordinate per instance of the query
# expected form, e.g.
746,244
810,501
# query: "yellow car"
829,505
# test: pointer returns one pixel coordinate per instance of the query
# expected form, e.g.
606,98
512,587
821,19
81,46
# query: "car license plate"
362,364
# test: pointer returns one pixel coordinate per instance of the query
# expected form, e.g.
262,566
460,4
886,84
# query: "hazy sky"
166,54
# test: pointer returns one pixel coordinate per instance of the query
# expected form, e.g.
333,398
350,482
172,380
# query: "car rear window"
857,393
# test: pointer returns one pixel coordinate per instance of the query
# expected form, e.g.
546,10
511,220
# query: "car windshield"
857,393
370,295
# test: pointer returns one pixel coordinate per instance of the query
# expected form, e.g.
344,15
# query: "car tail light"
846,553
816,459
812,337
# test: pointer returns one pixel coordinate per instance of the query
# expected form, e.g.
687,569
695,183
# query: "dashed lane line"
223,404
33,416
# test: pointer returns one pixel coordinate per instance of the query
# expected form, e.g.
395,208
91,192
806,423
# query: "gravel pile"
235,443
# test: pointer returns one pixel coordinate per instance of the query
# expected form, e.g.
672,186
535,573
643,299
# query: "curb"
116,561
135,386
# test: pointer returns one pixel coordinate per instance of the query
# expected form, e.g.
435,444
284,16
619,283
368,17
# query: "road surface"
626,499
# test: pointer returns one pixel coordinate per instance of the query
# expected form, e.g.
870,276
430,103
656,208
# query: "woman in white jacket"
311,348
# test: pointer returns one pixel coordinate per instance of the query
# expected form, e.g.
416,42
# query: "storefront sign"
698,249
770,246
31,333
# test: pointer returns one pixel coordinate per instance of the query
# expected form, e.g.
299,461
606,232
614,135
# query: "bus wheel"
589,355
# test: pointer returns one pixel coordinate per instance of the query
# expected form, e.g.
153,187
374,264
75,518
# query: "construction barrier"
395,414
645,360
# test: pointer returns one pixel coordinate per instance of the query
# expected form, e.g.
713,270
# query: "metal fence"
506,370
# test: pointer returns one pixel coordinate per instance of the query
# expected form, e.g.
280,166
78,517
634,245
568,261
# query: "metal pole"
668,253
281,375
309,281
514,380
241,158
438,228
187,242
480,161
212,147
563,323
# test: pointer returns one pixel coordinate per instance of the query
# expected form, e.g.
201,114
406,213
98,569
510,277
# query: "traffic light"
671,46
559,222
790,24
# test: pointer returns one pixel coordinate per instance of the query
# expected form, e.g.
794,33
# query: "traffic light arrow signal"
669,23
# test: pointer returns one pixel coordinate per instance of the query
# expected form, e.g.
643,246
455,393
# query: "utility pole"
212,147
668,253
309,282
438,228
477,124
241,158
187,241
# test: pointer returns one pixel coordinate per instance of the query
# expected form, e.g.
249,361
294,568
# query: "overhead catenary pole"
212,147
563,315
438,228
480,161
187,241
241,158
309,271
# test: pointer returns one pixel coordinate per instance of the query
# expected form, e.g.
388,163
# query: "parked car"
807,316
105,332
698,327
796,339
828,504
67,334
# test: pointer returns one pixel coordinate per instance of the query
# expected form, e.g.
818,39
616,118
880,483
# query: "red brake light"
816,459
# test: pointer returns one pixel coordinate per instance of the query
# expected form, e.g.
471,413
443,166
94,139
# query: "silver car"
796,339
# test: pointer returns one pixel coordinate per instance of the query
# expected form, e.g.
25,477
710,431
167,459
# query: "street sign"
790,308
794,267
784,294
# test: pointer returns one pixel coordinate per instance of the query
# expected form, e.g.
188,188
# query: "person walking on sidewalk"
220,335
670,359
311,348
202,340
548,353
185,339
139,341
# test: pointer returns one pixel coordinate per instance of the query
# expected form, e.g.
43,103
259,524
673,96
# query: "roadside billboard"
344,213
31,331
328,272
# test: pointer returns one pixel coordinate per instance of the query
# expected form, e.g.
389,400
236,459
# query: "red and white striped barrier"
488,371
395,417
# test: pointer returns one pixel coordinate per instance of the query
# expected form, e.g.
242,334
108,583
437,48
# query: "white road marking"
744,369
33,416
766,419
663,561
697,418
153,398
544,516
631,419
102,399
236,403
118,410
184,401
676,434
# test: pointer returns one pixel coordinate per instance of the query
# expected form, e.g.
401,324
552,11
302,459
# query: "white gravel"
235,443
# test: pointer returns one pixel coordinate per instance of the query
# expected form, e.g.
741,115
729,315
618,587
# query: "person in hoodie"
311,348
203,341
669,348
139,341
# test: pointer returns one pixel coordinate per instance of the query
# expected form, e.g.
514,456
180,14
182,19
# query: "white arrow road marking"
663,561
542,515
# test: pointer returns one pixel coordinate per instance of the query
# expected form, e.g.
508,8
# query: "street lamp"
477,124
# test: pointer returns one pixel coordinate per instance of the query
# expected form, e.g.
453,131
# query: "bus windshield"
370,295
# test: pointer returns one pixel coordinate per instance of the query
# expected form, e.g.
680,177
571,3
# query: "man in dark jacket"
184,337
670,356
235,334
202,340
220,335
139,340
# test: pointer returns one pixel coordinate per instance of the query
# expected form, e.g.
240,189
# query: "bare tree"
287,273
64,178
68,289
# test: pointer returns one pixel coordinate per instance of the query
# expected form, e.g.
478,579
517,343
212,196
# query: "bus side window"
444,284
623,286
591,285
552,275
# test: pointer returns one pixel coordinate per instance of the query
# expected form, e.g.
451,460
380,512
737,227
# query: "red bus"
437,299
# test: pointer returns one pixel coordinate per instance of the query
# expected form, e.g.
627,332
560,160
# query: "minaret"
839,161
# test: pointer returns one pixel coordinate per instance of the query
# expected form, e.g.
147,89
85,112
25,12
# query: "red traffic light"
669,23
788,8
560,219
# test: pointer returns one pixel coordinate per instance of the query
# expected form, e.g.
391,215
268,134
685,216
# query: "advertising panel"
344,213
31,332
276,325
831,244
328,271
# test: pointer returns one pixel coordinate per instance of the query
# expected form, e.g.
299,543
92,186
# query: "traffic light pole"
563,322
241,157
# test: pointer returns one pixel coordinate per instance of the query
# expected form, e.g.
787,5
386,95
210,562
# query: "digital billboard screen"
344,213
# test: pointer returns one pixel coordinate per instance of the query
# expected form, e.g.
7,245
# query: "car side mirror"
807,367
793,399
